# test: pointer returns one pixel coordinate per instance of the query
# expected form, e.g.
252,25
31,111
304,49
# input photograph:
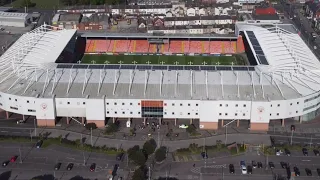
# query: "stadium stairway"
222,47
202,47
234,47
182,47
114,46
134,45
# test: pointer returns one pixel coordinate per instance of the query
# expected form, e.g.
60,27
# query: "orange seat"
215,47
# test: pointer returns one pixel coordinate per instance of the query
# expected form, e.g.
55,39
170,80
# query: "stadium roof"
287,75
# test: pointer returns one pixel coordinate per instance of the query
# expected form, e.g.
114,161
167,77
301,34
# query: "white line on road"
306,160
70,158
4,131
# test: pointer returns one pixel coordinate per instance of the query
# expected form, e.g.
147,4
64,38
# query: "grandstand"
170,52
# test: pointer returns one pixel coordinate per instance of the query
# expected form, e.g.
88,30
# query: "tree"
191,129
138,174
150,146
219,144
160,154
131,151
112,128
27,3
60,138
90,126
138,158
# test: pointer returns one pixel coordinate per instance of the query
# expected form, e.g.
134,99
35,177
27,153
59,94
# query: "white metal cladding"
34,51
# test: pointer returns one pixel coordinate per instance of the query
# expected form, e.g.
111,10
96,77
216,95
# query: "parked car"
231,168
305,151
249,169
57,166
278,152
254,164
120,156
93,167
308,172
183,126
288,153
259,165
204,155
283,165
4,164
70,166
271,165
13,158
242,163
243,170
39,144
296,171
316,152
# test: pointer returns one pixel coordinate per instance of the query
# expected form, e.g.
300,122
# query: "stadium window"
130,104
123,112
196,114
296,111
189,104
172,113
27,101
107,103
188,113
165,104
16,100
244,114
31,110
9,98
172,104
131,112
226,105
236,114
196,104
138,104
115,103
139,112
122,104
165,113
68,102
290,104
236,105
107,112
180,104
220,114
271,105
115,112
297,102
84,103
244,105
277,114
220,105
270,114
278,105
226,114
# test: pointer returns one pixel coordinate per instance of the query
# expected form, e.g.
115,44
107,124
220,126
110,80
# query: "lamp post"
35,127
291,136
91,137
20,155
226,126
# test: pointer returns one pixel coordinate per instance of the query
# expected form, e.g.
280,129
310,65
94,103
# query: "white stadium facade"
284,84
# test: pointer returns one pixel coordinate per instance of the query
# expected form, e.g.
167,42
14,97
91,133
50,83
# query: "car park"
13,158
254,164
231,168
283,165
259,165
93,167
249,169
296,171
316,152
70,166
305,151
57,166
120,156
287,152
271,165
308,172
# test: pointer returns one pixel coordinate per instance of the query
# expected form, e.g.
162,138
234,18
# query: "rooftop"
11,15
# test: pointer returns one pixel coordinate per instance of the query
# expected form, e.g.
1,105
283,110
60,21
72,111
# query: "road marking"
70,158
4,131
16,132
306,160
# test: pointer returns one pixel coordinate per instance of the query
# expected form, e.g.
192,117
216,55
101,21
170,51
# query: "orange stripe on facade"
151,103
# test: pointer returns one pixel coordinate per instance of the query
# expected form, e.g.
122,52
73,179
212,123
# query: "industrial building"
15,19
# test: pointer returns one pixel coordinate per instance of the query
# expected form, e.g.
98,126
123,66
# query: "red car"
13,159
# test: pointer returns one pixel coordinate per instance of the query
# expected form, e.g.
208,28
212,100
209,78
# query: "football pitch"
161,59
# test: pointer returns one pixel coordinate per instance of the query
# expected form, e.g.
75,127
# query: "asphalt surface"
42,161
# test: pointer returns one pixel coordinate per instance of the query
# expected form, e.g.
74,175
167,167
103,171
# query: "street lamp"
226,126
35,127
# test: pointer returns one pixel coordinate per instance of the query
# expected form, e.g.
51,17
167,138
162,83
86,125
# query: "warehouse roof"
11,15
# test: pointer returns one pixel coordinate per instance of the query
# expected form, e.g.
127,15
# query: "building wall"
13,23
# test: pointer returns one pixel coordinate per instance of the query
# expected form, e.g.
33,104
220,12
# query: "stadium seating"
89,46
196,47
240,45
101,46
139,46
229,47
176,47
164,48
215,47
121,46
185,46
111,45
153,48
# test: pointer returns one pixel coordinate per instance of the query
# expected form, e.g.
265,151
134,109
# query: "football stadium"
258,75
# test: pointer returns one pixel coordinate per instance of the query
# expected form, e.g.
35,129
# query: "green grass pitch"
160,59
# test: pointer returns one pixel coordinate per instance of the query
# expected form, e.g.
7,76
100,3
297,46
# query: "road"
42,161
